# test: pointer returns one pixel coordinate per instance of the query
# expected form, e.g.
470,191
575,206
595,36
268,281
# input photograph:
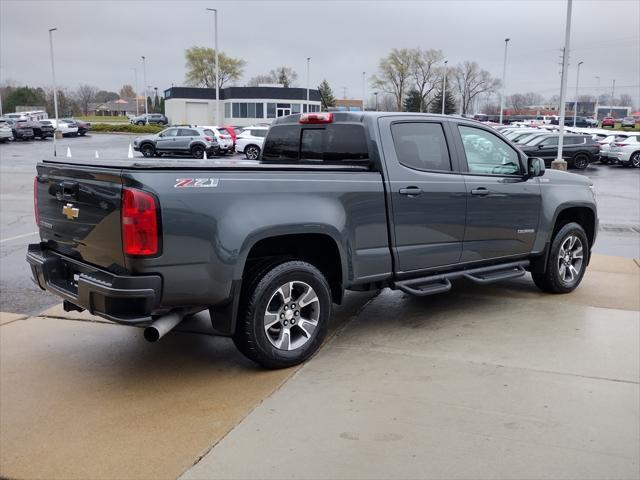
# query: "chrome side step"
441,283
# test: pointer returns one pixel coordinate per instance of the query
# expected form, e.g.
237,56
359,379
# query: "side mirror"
540,145
535,167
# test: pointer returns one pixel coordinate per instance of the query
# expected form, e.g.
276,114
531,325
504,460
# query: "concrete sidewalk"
485,382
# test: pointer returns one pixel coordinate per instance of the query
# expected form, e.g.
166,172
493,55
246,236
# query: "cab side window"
487,153
421,146
172,132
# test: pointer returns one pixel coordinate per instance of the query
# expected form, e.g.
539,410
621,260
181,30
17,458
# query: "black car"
22,129
151,119
42,129
578,150
83,127
581,122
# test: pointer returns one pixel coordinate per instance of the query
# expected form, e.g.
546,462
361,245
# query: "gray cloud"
98,42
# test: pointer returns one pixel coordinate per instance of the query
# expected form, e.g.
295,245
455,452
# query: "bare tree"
625,100
258,79
521,101
426,74
127,91
470,81
284,75
394,74
84,95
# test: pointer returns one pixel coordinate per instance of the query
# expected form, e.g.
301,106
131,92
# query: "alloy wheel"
570,259
292,315
635,160
253,153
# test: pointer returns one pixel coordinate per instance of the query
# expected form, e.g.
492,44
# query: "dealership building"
238,105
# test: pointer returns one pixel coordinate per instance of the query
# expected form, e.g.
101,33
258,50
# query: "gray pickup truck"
338,201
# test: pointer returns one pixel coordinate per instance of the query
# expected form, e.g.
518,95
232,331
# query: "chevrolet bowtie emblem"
70,211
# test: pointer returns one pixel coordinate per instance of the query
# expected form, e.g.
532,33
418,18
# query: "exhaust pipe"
163,325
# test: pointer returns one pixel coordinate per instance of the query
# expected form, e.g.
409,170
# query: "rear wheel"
284,314
581,161
140,122
197,151
567,261
635,160
147,150
252,152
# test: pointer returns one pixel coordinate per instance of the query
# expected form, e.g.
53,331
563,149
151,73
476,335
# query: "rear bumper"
123,299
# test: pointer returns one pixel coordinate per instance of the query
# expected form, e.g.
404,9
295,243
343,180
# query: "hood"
145,137
566,178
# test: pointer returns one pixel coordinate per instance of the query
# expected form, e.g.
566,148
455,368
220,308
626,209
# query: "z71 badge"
196,182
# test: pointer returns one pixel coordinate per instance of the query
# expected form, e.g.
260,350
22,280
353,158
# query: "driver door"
166,141
502,210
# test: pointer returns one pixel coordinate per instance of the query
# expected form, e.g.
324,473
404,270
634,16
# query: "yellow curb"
6,317
612,264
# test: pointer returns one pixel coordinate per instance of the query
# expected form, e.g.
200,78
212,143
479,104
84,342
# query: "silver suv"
194,141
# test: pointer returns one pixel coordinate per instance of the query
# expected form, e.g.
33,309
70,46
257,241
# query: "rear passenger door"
184,138
502,209
427,192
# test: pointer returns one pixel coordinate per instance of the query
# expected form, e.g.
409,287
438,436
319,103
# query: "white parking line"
17,237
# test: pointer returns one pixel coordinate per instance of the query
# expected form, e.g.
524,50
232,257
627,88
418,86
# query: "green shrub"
126,128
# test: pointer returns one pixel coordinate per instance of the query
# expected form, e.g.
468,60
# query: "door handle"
411,191
480,191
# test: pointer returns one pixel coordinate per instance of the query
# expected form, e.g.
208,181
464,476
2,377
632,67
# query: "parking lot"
496,381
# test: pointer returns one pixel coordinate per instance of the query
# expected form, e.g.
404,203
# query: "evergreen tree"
149,104
156,104
162,105
449,103
412,101
327,94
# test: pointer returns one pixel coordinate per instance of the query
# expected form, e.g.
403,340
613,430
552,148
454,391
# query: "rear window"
258,133
331,144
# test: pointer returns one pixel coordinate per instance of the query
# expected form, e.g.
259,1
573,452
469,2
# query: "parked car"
232,132
20,129
42,129
533,137
225,142
250,141
627,151
178,140
269,247
154,119
66,128
83,127
628,122
608,122
578,150
605,146
582,122
5,131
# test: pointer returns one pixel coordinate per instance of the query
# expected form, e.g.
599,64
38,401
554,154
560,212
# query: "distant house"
120,107
344,104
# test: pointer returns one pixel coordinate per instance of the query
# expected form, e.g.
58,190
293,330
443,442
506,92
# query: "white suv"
250,141
225,142
627,152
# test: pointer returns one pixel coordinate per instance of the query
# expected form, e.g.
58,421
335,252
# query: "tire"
604,160
570,239
635,159
580,161
140,123
147,150
252,152
272,295
197,151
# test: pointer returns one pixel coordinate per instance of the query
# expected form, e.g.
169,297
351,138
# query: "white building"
239,105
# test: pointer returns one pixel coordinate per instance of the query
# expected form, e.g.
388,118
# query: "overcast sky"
99,42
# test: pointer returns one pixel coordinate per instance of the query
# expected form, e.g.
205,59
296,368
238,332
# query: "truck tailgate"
78,211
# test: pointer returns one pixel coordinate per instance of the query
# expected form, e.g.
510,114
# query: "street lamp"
597,99
504,77
215,46
144,74
444,85
575,106
559,163
308,63
135,76
55,91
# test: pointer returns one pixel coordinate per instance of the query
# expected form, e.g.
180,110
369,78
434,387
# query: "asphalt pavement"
618,203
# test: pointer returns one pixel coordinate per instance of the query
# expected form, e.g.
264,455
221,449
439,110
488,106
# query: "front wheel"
147,150
635,160
252,152
140,123
284,314
197,151
567,261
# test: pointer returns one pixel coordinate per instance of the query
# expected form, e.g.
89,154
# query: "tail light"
139,223
316,117
621,144
208,139
35,201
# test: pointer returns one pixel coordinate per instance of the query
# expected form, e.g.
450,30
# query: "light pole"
215,46
135,76
504,77
144,79
308,63
55,91
597,99
364,82
613,92
444,85
375,94
559,163
575,106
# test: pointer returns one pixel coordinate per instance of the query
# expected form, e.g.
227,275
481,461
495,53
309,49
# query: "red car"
228,130
608,122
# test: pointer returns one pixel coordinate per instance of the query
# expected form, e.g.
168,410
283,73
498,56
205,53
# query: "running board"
441,283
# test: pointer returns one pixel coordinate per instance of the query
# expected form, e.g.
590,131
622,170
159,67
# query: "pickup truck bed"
337,202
